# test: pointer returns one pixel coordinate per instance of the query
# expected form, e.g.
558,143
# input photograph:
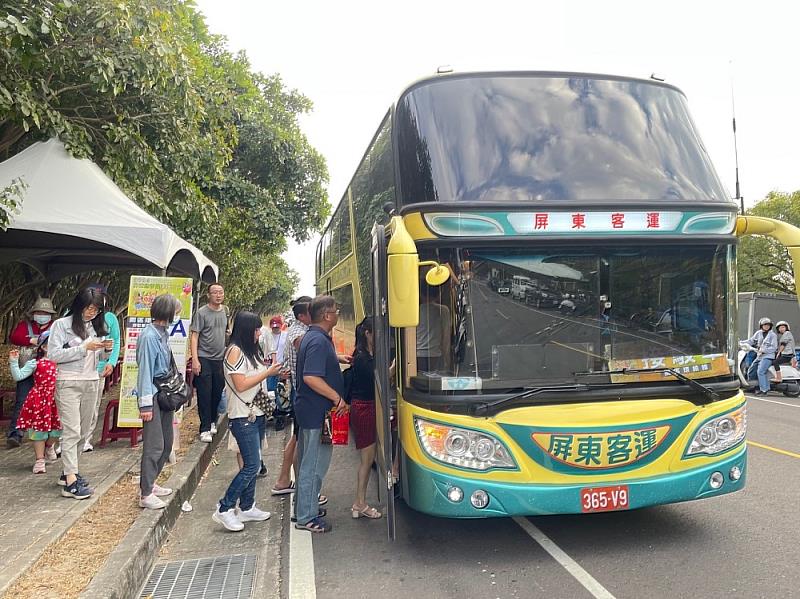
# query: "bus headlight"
720,433
462,447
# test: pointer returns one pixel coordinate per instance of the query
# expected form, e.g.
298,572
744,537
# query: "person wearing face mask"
153,357
76,347
26,337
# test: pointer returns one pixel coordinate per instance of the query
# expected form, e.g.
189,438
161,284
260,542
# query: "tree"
763,263
181,124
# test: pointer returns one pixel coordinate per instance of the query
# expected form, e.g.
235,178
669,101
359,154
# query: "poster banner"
143,291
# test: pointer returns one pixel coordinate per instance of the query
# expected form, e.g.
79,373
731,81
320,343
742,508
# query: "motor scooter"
789,385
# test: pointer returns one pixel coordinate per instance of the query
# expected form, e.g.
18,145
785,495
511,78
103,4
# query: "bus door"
383,390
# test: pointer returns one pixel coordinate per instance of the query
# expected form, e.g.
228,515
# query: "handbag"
173,392
262,401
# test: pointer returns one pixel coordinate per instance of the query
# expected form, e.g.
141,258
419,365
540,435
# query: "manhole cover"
223,577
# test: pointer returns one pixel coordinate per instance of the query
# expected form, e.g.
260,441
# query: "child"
39,414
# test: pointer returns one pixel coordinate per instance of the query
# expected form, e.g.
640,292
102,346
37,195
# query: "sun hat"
43,304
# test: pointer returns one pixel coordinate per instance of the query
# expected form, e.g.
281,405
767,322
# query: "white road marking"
302,580
570,565
783,403
501,314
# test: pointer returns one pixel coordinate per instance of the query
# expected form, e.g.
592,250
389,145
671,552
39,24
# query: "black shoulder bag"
173,392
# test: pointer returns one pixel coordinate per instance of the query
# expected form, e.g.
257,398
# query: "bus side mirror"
403,275
786,234
438,275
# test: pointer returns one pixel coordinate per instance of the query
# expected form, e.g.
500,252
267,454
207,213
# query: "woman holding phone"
245,375
76,346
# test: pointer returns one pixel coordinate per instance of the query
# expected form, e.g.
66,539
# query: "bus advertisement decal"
591,450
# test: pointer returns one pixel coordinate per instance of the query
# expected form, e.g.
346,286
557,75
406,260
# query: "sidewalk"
257,548
32,510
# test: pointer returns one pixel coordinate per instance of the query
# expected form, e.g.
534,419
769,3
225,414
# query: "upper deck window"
532,138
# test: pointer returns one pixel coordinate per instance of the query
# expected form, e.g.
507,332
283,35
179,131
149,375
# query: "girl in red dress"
39,415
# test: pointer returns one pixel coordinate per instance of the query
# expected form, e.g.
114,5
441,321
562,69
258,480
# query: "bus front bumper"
426,491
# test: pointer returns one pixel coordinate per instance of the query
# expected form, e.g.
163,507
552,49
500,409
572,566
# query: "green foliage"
763,264
10,201
264,285
182,125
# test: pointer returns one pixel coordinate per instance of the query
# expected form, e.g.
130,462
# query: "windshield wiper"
707,392
483,409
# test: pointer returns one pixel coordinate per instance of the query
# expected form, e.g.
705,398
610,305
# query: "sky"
352,59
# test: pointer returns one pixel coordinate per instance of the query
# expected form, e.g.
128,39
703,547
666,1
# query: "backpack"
347,375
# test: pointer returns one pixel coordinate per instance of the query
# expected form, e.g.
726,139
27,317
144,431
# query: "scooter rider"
766,343
786,348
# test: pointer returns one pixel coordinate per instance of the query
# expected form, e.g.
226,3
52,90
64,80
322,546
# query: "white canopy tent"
74,218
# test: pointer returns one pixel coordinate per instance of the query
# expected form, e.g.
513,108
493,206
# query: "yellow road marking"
580,351
791,454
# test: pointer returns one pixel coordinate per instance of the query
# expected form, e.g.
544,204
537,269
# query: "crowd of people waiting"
59,366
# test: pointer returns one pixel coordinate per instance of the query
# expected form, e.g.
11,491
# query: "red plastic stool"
112,432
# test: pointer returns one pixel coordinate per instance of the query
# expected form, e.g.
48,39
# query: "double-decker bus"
607,380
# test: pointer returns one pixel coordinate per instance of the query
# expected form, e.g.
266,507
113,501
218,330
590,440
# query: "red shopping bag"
340,428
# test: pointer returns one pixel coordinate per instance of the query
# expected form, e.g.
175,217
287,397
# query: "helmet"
763,321
782,323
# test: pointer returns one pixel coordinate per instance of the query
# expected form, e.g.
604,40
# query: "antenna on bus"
735,146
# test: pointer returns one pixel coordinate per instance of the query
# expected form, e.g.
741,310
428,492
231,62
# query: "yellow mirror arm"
784,233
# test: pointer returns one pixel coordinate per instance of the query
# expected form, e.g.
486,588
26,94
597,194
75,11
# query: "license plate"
604,499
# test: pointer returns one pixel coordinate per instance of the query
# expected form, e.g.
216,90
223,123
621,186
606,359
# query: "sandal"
322,513
365,512
315,525
284,490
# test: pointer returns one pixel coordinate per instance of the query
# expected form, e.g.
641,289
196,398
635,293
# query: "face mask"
41,318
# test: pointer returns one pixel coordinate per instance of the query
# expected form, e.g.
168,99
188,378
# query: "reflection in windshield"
523,138
521,317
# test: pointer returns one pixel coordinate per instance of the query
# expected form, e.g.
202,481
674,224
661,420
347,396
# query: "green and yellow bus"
550,260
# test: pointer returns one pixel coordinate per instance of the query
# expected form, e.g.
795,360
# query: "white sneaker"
253,515
214,428
228,520
161,491
87,447
151,502
50,454
206,437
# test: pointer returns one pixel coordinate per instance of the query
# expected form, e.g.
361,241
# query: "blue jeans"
763,377
243,485
23,388
314,463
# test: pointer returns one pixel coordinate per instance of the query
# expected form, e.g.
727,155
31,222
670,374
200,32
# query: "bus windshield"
520,317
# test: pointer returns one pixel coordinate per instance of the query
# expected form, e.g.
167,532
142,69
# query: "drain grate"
223,577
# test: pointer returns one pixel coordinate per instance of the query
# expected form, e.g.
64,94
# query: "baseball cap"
275,321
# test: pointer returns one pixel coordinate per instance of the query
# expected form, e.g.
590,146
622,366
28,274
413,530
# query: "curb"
126,569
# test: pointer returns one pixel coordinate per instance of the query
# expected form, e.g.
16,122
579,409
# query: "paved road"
739,545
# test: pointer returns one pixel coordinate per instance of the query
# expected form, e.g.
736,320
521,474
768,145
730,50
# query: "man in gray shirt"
209,326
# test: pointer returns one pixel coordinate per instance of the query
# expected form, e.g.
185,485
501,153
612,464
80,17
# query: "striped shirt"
296,331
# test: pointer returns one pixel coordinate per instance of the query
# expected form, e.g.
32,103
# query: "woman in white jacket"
76,346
